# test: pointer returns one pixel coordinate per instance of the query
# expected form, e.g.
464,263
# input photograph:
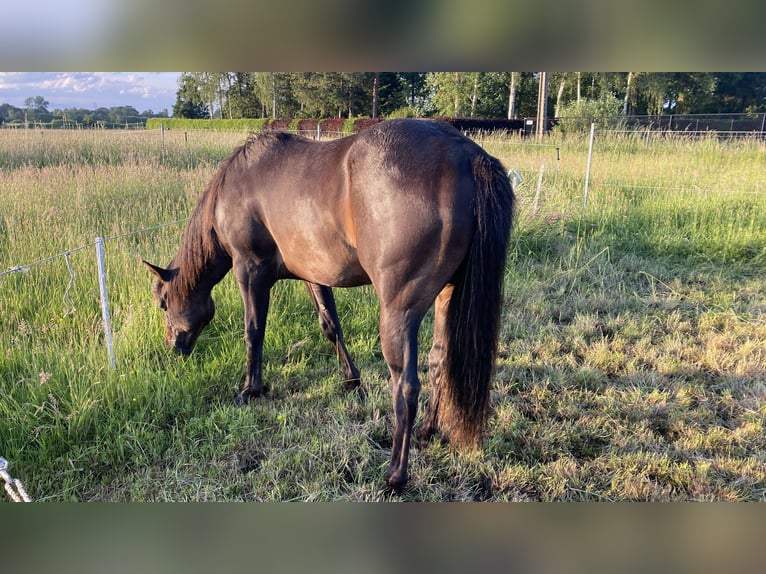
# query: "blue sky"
154,91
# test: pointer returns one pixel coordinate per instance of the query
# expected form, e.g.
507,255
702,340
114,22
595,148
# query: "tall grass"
632,355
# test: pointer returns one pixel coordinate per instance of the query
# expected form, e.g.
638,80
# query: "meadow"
632,359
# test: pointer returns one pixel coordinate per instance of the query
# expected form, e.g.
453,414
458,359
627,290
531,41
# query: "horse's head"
185,316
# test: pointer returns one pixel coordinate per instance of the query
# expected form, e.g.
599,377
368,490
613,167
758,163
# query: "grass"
632,360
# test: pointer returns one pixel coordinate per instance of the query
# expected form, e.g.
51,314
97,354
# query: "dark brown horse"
411,206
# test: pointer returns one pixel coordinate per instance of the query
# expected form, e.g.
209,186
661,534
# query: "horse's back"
345,212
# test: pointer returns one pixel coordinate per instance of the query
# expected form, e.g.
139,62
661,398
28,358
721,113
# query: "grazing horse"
411,206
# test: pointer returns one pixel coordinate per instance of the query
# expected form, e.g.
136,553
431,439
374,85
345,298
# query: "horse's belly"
338,269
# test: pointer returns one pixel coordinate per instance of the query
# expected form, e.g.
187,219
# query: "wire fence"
98,245
66,254
721,125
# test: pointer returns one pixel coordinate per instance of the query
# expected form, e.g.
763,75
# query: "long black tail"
473,316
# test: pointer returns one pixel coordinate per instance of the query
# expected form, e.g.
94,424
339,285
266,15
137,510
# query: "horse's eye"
163,304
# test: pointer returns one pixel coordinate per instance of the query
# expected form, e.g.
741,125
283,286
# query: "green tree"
454,93
189,100
356,89
209,87
36,109
392,92
689,92
123,114
738,92
37,104
241,98
322,95
577,116
274,91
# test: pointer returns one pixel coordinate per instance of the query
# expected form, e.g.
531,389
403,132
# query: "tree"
738,92
454,93
492,95
626,98
189,101
36,109
321,95
123,114
209,88
458,94
512,84
689,92
241,98
415,91
577,116
391,93
37,104
274,91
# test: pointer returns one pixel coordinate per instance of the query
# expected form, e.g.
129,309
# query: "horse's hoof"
395,479
245,397
240,400
425,433
355,386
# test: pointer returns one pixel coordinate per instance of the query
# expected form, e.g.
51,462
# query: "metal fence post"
587,170
105,301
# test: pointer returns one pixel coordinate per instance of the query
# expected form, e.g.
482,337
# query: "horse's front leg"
324,303
255,285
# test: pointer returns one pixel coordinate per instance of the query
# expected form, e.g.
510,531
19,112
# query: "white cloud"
142,90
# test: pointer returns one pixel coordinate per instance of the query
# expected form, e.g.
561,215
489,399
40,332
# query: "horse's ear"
160,273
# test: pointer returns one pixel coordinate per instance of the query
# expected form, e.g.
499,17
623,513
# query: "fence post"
536,203
587,170
105,301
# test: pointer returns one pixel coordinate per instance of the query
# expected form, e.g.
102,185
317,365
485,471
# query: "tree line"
463,94
36,112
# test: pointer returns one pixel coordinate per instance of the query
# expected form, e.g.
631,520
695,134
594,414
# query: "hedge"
329,125
240,124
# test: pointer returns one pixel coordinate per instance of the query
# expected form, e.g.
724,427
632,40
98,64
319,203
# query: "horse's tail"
473,315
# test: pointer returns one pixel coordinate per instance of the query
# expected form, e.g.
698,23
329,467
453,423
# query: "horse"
413,207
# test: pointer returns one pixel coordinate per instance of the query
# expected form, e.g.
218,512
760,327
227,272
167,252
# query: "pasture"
632,354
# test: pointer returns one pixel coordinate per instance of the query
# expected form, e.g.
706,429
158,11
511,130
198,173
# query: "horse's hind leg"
399,340
324,302
436,358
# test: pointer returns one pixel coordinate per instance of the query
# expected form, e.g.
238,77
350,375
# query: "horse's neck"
203,264
214,271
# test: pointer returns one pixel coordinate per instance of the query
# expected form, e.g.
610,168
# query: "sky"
144,91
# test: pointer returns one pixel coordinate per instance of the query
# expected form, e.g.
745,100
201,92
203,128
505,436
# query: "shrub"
332,125
240,124
362,124
577,116
403,112
277,124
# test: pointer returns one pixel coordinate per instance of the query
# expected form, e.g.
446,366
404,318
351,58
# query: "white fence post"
105,301
587,170
536,203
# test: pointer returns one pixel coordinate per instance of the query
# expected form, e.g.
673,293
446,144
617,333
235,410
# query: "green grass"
632,361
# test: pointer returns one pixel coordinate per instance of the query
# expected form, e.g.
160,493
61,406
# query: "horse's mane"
200,242
270,140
